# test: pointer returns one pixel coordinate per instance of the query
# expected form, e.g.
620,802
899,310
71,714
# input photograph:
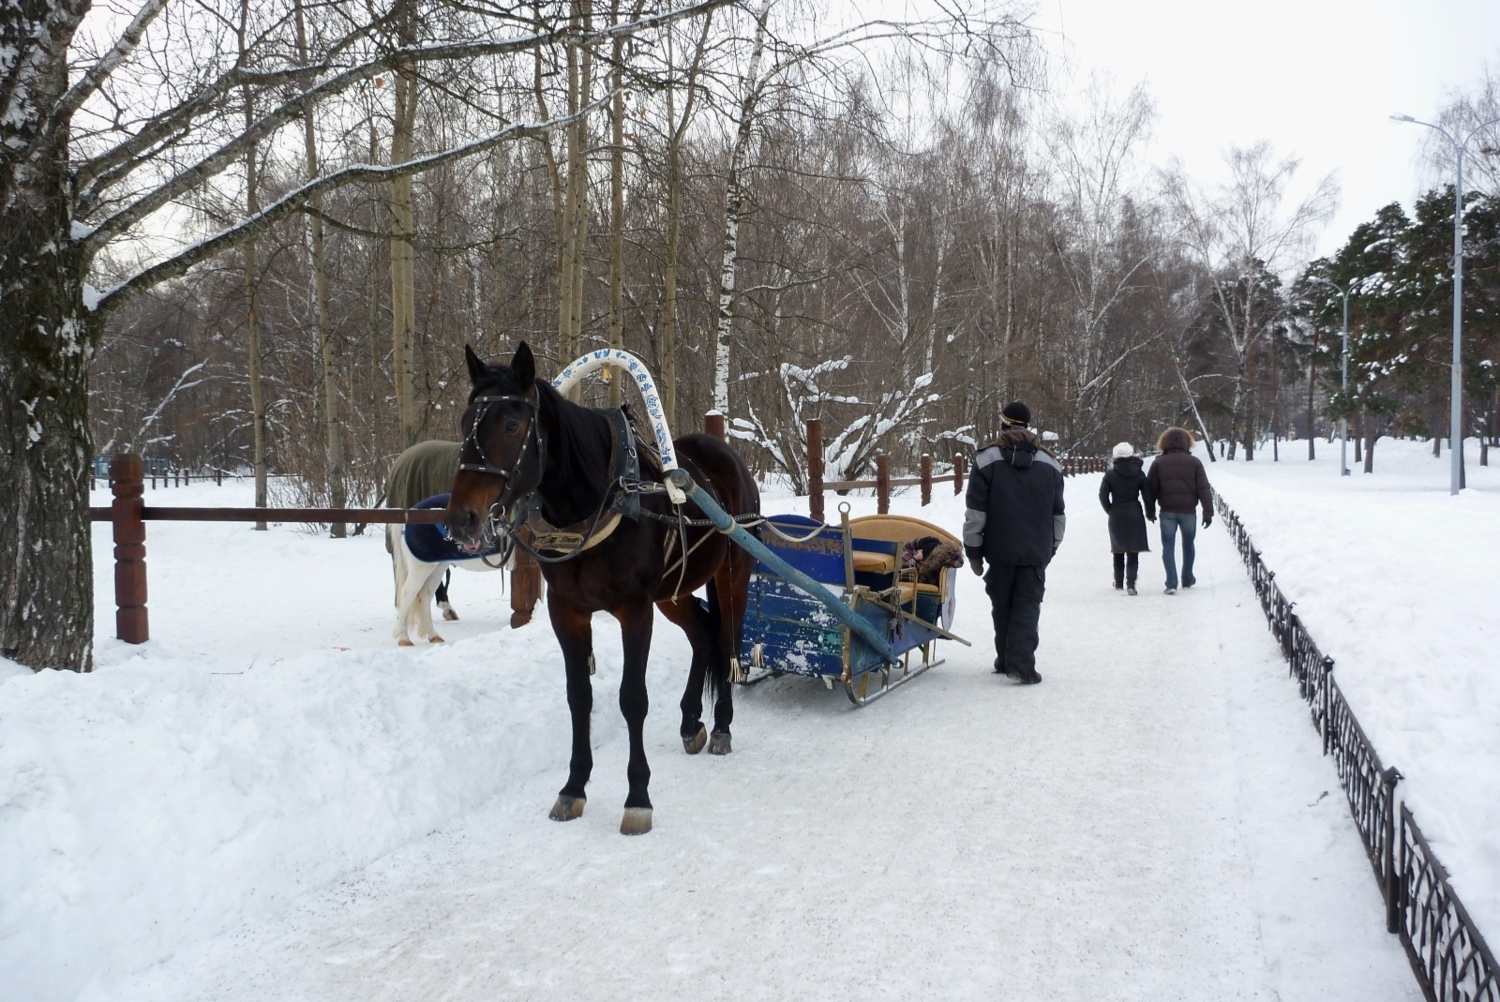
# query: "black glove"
1208,520
977,566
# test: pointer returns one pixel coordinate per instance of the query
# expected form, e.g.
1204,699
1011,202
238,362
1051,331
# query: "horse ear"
524,366
477,367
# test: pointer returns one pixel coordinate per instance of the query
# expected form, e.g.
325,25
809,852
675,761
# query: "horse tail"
716,679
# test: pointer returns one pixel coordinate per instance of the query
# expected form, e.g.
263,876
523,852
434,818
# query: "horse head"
501,458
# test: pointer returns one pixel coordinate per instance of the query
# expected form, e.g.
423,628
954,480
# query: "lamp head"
1402,118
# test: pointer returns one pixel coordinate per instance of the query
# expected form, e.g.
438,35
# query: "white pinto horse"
420,555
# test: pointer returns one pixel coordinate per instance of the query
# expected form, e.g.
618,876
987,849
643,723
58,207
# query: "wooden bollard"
218,478
525,587
815,468
883,483
127,482
958,474
713,424
926,481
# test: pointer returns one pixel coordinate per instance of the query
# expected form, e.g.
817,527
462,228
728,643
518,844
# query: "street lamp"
1456,393
1344,422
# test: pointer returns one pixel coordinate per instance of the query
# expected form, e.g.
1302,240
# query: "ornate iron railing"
1448,955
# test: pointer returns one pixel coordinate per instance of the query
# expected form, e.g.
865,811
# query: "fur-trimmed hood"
1019,436
1175,438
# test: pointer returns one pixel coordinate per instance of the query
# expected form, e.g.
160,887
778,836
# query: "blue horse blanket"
431,544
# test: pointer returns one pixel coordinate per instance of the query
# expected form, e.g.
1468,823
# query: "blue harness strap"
430,543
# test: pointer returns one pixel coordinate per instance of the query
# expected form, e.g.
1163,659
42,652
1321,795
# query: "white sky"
1318,78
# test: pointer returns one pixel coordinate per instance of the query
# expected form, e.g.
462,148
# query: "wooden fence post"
218,478
958,473
815,468
926,480
127,476
713,424
525,586
883,483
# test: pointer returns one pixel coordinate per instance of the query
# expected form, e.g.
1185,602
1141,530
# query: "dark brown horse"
524,439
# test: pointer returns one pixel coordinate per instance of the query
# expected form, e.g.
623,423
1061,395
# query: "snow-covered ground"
271,800
1397,580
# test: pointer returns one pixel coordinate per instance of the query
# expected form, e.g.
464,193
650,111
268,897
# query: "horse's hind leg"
441,596
695,622
575,635
636,621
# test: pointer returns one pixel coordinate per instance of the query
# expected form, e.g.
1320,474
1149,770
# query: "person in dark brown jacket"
1178,483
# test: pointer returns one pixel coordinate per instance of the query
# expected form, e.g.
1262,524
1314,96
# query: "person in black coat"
1015,520
1120,493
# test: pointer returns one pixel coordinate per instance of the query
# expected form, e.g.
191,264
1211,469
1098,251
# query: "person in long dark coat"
1120,493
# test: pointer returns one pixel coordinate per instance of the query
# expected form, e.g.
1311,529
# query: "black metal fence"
1449,956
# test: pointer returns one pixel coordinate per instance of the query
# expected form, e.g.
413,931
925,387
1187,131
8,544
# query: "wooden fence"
129,514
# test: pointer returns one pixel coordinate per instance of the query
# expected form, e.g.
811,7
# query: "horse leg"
441,596
424,605
575,635
636,621
411,576
694,620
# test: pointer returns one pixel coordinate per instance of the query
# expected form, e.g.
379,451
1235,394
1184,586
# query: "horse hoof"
637,821
568,808
694,744
450,615
404,642
435,639
719,743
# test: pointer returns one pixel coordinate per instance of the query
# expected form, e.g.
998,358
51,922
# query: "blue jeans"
1170,523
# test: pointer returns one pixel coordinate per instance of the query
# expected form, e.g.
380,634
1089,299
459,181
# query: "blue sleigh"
789,631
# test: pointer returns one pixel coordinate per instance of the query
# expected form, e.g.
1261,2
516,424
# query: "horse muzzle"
466,528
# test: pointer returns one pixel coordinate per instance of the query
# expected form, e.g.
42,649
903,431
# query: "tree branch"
62,112
292,202
290,110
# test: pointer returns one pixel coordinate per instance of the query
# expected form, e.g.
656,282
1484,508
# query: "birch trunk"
333,446
734,205
47,339
616,202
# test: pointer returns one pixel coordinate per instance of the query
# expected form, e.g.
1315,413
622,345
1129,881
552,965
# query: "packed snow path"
1155,821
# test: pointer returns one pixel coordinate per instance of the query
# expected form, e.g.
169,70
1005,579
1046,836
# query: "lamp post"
1456,392
1343,422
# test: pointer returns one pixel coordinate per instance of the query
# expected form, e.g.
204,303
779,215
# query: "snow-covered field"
270,800
1398,582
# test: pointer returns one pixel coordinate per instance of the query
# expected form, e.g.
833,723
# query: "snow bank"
211,775
1397,581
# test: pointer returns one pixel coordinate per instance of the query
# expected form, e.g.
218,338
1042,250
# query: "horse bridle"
484,401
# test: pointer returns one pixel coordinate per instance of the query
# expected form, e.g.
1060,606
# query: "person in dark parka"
1120,494
1015,521
1178,483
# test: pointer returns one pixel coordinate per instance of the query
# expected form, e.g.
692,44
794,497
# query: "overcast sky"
1318,78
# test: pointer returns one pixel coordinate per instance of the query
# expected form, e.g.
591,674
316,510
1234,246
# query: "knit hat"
1124,450
1016,413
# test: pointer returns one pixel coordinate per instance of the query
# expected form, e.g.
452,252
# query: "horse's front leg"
636,620
575,634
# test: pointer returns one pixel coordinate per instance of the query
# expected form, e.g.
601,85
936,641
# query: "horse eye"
512,426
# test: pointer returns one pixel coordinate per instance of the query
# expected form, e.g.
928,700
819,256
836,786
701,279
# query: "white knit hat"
1124,450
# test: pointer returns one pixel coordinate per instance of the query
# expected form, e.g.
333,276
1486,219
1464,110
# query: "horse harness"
622,497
